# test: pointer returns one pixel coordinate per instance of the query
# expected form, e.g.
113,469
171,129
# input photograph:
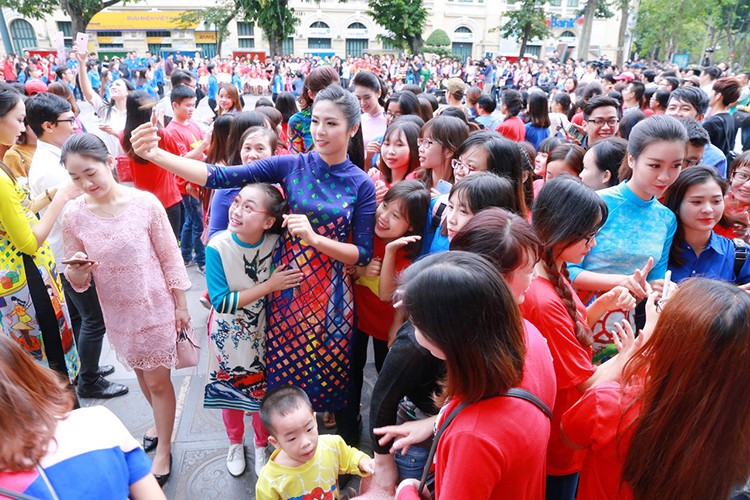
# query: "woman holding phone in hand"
330,227
124,236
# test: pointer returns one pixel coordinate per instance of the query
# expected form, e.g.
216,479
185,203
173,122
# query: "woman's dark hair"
217,149
608,156
630,120
87,145
139,105
688,178
565,212
504,158
264,102
693,369
267,133
484,352
502,237
373,82
9,99
414,200
426,107
62,90
549,144
286,103
411,133
407,103
242,121
513,101
538,110
272,114
318,79
729,89
431,99
483,190
234,96
277,205
449,133
570,154
563,100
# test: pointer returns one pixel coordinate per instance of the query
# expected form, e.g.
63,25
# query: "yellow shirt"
318,479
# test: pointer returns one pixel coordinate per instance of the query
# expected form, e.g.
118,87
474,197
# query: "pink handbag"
188,350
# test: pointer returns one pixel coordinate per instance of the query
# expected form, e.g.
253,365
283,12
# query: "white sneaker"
260,459
236,459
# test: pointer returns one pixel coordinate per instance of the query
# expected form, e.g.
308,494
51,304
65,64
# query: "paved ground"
199,440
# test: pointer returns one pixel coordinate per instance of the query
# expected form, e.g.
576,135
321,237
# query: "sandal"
329,420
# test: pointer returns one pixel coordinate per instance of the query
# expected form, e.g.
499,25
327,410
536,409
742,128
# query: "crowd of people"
535,251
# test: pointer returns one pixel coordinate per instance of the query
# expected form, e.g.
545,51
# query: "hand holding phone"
82,43
79,262
444,187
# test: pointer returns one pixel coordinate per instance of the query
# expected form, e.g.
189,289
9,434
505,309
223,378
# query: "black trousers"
88,327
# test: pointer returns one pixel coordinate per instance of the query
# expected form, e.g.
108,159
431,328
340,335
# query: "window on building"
23,35
109,33
110,46
66,28
319,43
287,47
534,50
573,3
246,35
555,3
207,49
163,34
319,24
357,26
155,48
356,47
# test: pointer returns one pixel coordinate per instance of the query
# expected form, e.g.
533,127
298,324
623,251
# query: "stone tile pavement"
199,440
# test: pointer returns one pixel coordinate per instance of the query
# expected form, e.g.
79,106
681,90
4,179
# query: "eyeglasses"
590,237
426,143
741,177
693,163
247,208
63,120
601,121
388,114
459,165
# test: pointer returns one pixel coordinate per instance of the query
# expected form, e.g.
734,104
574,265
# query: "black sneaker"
102,389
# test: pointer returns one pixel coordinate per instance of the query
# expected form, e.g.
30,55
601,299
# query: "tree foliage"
80,11
403,19
438,38
219,16
527,23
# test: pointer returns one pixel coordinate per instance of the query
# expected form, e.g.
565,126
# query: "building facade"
328,27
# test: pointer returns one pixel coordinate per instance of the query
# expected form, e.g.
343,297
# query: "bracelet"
46,192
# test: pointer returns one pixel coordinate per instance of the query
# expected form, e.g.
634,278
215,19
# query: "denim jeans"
562,487
411,464
192,228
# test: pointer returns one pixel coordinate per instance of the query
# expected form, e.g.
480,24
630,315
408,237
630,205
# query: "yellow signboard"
105,39
205,37
136,21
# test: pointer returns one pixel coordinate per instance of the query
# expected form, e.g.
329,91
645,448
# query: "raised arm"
83,78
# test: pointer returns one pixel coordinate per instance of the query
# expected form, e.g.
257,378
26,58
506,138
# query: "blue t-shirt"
716,261
535,135
94,78
713,157
213,87
635,230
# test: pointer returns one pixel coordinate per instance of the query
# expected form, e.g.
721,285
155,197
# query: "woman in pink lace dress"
139,274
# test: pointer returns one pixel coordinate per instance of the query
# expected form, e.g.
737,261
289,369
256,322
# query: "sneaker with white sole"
236,459
260,459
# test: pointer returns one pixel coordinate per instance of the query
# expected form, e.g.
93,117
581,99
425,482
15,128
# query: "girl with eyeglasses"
567,216
438,140
736,220
633,246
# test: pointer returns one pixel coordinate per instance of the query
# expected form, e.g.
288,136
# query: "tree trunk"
588,23
415,44
275,43
524,40
624,14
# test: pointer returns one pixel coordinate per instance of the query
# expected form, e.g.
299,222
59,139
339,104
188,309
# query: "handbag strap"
15,495
513,392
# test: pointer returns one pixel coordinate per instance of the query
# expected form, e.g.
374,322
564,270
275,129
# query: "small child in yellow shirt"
304,464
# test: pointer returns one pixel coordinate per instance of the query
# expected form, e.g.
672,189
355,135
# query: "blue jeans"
411,464
562,487
192,228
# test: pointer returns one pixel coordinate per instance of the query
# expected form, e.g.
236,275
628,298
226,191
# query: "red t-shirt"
375,316
544,308
513,128
154,179
593,423
578,119
187,137
500,443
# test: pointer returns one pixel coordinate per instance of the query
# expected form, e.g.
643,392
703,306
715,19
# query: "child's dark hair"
286,103
565,212
281,401
414,199
217,149
688,178
270,136
276,207
411,133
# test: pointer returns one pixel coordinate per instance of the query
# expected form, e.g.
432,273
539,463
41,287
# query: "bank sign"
569,23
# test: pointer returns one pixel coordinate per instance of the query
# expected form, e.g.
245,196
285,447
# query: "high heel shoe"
149,443
163,478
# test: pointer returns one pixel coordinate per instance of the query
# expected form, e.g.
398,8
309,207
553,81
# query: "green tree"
526,23
658,34
219,16
594,9
79,11
404,20
437,43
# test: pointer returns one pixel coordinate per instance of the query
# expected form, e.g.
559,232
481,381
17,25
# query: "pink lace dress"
140,263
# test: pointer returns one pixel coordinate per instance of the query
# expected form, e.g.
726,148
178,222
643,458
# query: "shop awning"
136,21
